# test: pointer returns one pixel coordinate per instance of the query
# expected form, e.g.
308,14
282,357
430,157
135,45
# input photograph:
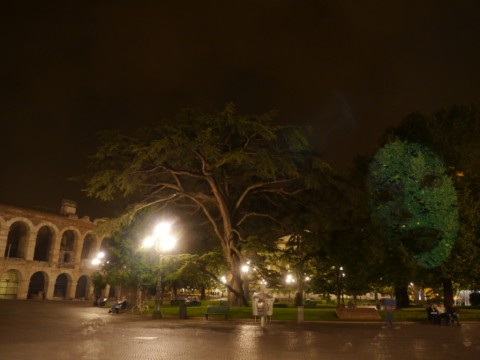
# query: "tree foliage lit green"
414,201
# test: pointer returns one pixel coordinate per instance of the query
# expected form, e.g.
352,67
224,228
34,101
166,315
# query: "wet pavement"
76,330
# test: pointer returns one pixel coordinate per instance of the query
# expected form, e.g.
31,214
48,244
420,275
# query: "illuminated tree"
453,133
414,204
229,171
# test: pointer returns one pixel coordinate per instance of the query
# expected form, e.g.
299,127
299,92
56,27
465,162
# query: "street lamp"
162,241
290,280
98,259
340,274
245,270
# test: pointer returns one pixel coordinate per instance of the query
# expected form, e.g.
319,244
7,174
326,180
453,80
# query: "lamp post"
289,279
162,241
100,291
245,269
340,275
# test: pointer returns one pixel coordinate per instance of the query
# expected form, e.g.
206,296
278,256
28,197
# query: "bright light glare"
162,229
167,242
161,240
245,268
148,242
96,261
223,279
289,279
101,255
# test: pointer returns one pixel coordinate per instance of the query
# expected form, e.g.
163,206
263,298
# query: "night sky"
348,68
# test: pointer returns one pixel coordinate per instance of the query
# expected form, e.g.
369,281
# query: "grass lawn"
320,313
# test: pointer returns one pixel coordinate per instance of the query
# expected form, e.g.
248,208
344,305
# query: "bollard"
182,309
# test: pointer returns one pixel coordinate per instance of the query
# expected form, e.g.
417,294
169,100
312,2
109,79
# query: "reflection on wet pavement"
63,331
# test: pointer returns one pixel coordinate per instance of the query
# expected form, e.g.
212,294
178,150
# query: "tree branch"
279,184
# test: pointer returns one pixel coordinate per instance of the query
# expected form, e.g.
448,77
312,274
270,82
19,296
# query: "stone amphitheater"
46,255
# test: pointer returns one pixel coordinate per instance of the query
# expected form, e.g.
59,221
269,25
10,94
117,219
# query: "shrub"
475,298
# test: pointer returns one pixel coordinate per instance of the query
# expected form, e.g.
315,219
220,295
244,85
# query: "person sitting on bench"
453,314
121,304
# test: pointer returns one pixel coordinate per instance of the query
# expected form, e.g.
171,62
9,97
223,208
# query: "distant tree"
453,134
124,264
350,240
414,204
233,171
194,271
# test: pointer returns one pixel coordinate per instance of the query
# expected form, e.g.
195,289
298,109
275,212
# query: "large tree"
414,204
453,134
230,171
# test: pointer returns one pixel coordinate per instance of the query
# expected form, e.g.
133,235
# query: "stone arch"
68,241
88,246
62,284
81,291
9,284
3,236
43,244
17,240
37,286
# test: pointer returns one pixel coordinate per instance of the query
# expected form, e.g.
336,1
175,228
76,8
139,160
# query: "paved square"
76,330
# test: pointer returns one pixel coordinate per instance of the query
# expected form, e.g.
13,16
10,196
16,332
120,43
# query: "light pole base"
156,314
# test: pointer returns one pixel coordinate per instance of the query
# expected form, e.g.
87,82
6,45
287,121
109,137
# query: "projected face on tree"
414,202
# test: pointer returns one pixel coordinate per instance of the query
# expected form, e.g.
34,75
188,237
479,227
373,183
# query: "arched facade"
46,255
9,284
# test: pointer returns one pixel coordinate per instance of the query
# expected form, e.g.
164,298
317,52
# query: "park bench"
217,310
121,309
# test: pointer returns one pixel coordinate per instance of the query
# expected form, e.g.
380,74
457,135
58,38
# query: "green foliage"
124,264
453,134
99,281
414,202
475,298
193,270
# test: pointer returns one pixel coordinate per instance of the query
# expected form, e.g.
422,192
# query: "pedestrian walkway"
69,330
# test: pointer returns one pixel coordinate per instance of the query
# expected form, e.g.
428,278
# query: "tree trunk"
236,295
300,291
174,290
203,295
447,292
401,295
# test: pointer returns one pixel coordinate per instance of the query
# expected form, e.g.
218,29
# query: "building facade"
46,255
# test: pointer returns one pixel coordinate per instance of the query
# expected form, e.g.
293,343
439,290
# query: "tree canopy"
453,134
234,173
414,201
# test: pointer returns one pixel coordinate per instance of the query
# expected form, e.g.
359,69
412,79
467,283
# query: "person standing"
389,307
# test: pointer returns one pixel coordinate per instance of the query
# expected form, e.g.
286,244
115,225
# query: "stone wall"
46,255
